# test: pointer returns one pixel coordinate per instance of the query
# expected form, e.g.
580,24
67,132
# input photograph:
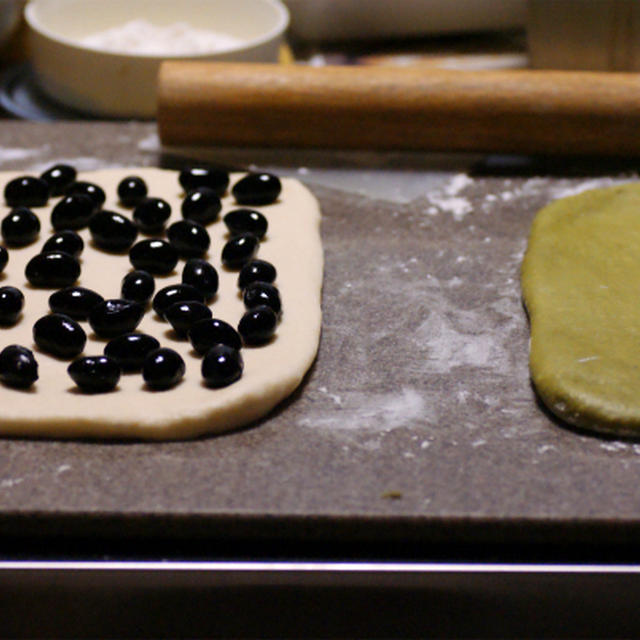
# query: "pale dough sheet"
54,407
581,286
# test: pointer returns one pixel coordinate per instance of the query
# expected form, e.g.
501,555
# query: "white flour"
559,188
140,36
9,155
355,410
448,199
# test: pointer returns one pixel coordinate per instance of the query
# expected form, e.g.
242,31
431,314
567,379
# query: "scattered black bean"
95,374
54,269
201,205
221,366
95,192
68,241
175,293
59,335
138,286
112,231
183,315
72,212
202,275
239,250
11,305
190,239
182,305
155,256
130,349
26,191
4,258
132,190
59,177
204,334
246,221
151,214
256,271
18,366
262,293
215,179
20,227
163,368
258,325
75,302
115,316
257,189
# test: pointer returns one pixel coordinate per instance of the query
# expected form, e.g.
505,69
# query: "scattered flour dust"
373,412
448,199
455,342
179,38
13,154
554,188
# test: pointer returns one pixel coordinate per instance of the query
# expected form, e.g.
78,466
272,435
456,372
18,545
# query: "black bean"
221,366
20,227
11,305
201,205
183,315
68,241
95,192
173,293
239,250
26,191
59,335
130,349
72,212
112,231
206,333
95,374
132,190
257,189
190,239
246,221
138,286
202,275
210,177
53,269
59,177
163,368
151,214
75,302
256,271
258,325
114,317
18,366
155,256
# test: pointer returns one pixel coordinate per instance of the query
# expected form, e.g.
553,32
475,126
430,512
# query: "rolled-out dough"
54,407
581,286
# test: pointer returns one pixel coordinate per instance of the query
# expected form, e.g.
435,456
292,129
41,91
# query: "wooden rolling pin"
516,111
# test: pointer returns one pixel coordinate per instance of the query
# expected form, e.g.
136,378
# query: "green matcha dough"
581,288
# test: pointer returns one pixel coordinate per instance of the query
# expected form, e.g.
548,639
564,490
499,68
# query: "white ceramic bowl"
123,84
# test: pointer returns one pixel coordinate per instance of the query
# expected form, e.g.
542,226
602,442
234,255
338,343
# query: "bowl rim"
273,34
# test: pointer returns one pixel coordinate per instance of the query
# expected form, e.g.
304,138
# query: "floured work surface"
417,421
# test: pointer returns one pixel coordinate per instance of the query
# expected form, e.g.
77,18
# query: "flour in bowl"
143,37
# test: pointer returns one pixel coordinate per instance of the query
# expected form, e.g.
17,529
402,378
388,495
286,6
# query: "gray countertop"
417,421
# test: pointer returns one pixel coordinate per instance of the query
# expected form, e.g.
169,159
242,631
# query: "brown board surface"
417,421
